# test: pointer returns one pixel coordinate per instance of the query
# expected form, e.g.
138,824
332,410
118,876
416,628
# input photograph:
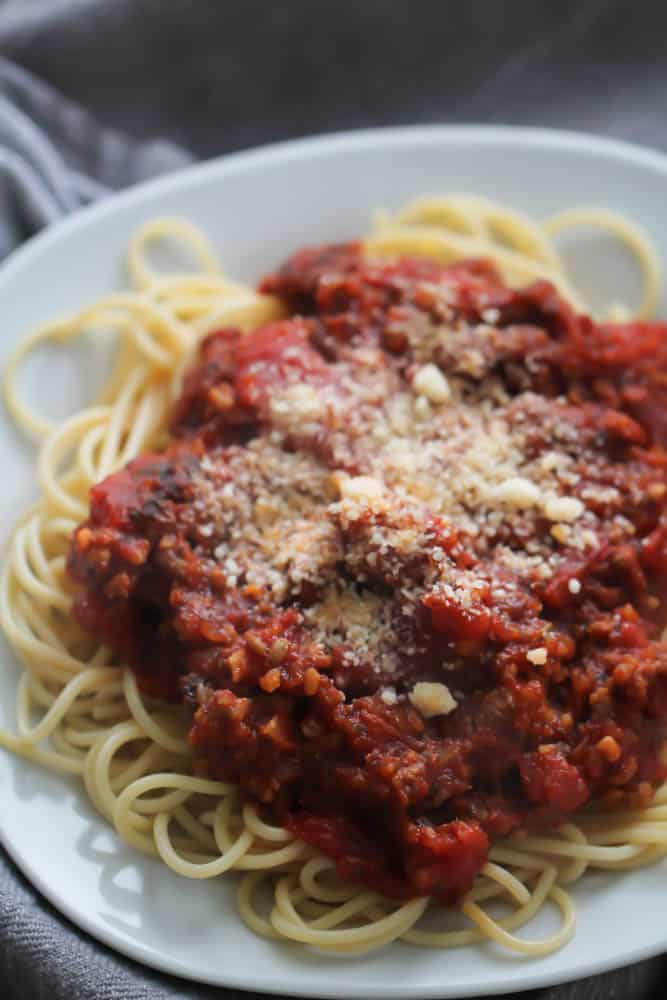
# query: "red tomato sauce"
404,625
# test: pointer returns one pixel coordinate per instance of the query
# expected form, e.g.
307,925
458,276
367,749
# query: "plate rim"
297,148
247,159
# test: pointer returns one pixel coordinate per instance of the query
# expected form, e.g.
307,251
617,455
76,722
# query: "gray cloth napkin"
55,157
174,80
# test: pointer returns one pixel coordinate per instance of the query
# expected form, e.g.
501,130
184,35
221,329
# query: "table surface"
215,77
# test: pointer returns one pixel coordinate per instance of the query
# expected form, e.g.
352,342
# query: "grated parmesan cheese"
332,503
422,408
363,489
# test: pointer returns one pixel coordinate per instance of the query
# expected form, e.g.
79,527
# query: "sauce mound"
404,561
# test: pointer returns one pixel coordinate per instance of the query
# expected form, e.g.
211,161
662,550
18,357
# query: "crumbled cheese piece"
422,408
432,699
566,509
491,316
472,362
551,460
359,488
517,492
574,586
430,382
561,533
389,696
537,656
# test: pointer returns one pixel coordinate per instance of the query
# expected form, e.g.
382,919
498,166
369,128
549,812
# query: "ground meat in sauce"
404,561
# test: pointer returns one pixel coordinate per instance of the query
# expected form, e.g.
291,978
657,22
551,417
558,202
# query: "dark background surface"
217,75
214,76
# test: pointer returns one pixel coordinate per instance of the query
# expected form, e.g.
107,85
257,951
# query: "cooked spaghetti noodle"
79,713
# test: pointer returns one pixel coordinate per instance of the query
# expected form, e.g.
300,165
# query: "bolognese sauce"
404,559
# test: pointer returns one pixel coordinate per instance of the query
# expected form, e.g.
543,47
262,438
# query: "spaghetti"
131,750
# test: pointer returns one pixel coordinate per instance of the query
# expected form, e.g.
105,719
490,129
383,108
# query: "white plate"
257,207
